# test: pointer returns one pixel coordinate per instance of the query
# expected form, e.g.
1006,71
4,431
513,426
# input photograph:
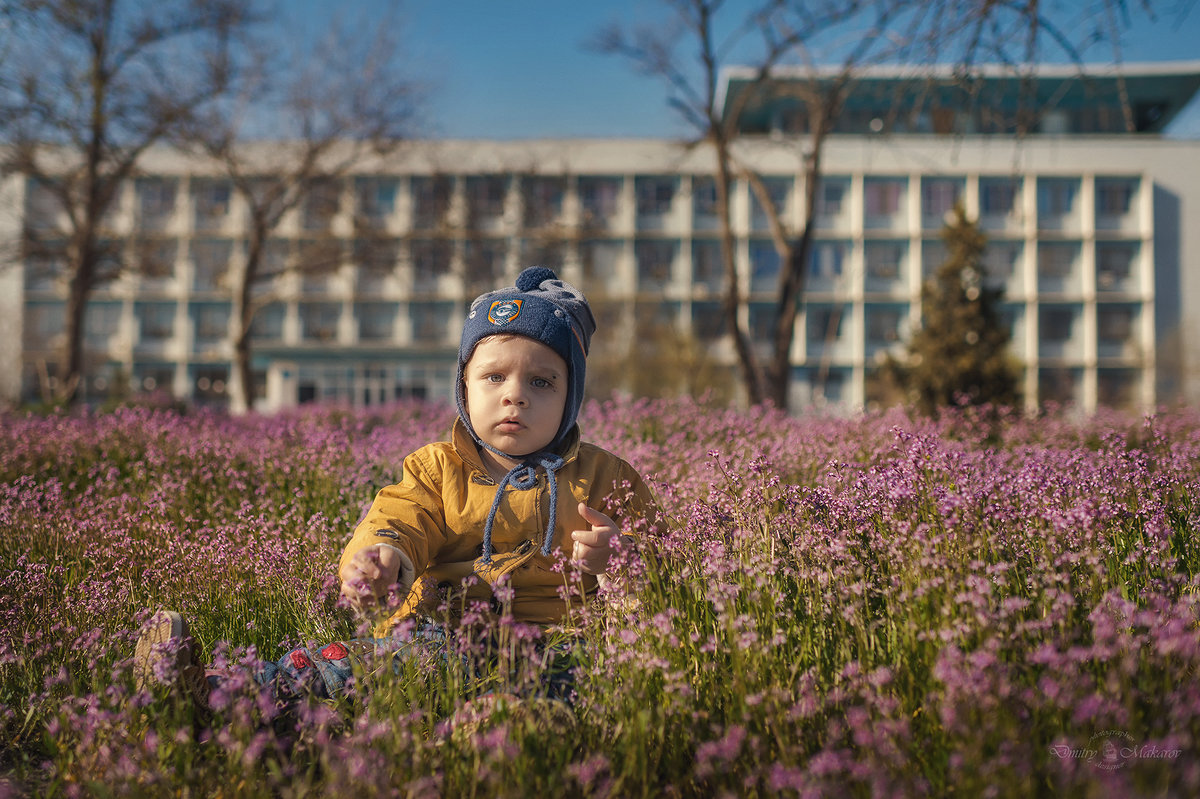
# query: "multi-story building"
1094,234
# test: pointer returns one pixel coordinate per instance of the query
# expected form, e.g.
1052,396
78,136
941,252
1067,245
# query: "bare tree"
826,45
328,112
88,86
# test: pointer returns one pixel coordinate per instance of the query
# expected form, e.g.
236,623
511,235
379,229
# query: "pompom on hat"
545,309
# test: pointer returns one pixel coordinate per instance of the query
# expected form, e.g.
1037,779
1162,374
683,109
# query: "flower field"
873,606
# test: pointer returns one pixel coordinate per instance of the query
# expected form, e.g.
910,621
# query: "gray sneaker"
167,653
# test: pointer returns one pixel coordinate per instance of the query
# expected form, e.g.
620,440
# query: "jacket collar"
468,450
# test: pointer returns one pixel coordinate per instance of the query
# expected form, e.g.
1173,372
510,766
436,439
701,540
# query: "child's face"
515,391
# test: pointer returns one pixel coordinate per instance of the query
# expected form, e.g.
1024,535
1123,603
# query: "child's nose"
516,396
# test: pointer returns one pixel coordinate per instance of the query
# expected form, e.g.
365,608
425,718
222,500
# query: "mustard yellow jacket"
435,516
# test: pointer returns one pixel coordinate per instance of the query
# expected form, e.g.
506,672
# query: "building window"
549,253
1058,385
998,196
1114,196
431,200
153,377
319,321
1118,388
430,322
764,266
156,260
655,195
375,198
101,321
320,204
484,264
109,262
824,386
707,269
831,197
210,263
828,259
42,205
824,327
708,321
45,265
883,324
486,196
376,259
1057,266
155,320
884,200
600,199
267,324
210,204
705,212
155,202
430,260
209,383
884,261
318,261
938,198
601,260
1000,261
1056,198
1012,317
779,190
376,320
542,199
610,314
276,258
1115,265
655,263
44,321
1056,324
656,321
369,384
210,323
1115,328
763,321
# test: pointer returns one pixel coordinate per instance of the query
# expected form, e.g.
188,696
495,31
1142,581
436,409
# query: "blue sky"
519,69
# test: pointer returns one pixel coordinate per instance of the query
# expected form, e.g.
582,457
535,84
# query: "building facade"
1094,237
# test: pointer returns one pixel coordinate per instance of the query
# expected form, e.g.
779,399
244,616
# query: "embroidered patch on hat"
300,660
334,651
504,311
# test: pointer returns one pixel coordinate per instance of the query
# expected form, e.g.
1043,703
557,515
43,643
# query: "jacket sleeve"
408,516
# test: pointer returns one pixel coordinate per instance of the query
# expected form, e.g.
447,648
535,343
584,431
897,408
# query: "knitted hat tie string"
523,477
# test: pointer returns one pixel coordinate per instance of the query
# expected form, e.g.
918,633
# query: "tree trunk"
731,304
70,374
241,397
791,286
82,256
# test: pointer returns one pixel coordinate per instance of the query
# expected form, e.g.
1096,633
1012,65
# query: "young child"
501,505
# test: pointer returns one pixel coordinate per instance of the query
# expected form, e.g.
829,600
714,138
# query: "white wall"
12,279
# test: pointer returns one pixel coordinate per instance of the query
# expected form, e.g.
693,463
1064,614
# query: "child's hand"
369,575
594,547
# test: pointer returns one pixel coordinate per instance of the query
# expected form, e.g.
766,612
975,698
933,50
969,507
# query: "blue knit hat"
545,309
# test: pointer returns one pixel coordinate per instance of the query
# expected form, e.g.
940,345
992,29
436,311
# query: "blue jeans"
323,673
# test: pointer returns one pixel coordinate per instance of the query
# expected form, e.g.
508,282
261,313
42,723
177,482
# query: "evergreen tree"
960,353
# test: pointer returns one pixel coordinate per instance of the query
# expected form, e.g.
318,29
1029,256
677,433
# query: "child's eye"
541,382
493,378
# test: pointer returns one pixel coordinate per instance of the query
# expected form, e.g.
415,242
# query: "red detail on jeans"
300,660
334,651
